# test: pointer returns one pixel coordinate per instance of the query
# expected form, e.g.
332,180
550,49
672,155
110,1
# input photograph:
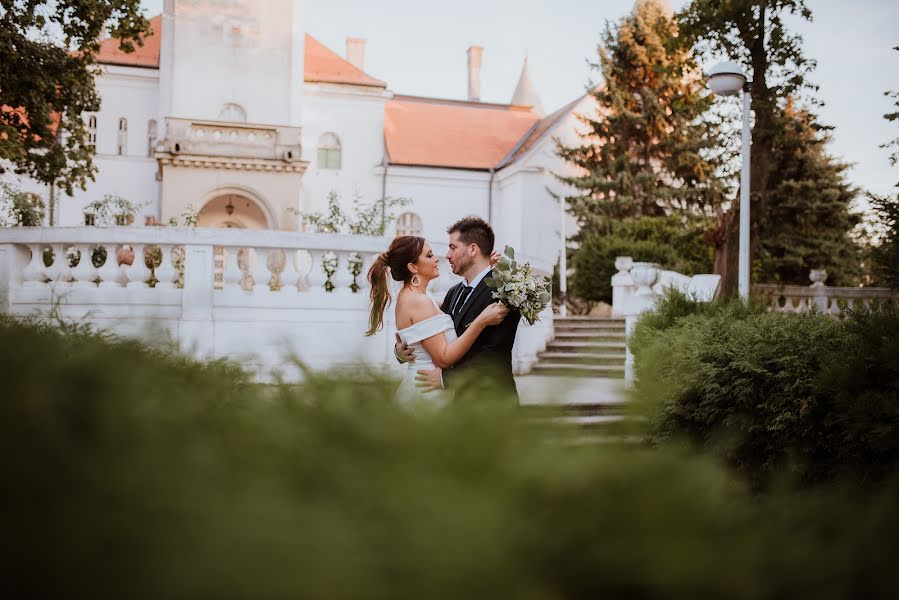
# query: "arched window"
233,112
92,132
408,224
328,151
151,137
122,146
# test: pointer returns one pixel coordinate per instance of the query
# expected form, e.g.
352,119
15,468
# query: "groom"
486,370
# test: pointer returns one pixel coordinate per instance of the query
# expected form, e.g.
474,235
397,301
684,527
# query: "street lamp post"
727,79
563,262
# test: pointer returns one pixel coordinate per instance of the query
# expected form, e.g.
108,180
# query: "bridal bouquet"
518,287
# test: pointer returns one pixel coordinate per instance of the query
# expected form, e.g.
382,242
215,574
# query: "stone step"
589,326
589,336
591,358
582,346
570,369
587,319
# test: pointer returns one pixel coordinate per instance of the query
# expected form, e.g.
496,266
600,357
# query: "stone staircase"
584,347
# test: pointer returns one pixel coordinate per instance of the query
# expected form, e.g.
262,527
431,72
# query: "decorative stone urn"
818,277
644,276
623,264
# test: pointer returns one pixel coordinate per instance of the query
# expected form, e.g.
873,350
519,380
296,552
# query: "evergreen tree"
885,255
808,221
649,150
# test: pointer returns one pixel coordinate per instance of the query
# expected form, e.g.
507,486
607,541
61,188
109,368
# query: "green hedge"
768,393
133,473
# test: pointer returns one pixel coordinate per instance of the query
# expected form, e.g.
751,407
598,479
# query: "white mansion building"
231,109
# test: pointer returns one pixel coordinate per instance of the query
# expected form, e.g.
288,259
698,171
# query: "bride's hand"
493,314
494,258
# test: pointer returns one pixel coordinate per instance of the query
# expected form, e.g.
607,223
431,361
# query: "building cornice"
197,161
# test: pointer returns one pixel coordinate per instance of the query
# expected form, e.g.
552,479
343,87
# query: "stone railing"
254,296
637,285
820,297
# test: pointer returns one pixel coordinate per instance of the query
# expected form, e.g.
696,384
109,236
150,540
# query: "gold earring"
413,282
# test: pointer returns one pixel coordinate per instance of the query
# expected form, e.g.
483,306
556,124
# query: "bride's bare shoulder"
412,308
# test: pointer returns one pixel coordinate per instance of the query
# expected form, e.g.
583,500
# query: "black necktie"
460,301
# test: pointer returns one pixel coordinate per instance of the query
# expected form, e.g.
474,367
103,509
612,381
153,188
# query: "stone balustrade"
637,285
256,296
820,297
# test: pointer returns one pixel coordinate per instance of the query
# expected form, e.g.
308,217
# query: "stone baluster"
232,274
343,278
262,275
84,272
34,272
59,272
166,273
368,259
316,277
290,276
138,273
109,271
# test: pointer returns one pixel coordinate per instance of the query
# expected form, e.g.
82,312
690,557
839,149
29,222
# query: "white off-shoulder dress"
412,336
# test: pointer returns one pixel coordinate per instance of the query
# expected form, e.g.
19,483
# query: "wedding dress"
412,336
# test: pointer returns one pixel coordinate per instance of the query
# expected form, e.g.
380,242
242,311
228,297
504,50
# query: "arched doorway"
233,210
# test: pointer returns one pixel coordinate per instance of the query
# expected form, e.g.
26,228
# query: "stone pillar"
196,334
13,260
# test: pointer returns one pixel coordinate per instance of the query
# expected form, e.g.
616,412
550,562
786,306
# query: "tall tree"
48,55
752,32
648,151
809,218
892,116
885,255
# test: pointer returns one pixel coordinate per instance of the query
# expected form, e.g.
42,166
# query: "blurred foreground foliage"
808,396
134,473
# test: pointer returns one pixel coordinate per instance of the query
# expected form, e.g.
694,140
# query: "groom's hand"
429,380
402,352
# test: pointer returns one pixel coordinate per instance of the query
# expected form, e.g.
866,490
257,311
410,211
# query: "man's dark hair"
474,230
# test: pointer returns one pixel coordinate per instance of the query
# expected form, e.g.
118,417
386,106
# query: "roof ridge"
472,103
549,121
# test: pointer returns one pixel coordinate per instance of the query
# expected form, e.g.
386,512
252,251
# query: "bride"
420,323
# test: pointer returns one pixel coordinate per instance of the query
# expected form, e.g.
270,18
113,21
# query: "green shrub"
767,392
133,473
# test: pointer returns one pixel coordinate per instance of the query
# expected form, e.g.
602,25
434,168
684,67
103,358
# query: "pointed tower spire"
526,92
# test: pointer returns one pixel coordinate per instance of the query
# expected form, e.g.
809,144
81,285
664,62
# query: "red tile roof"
538,131
143,56
321,64
451,133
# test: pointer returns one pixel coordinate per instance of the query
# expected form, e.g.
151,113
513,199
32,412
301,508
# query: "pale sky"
419,47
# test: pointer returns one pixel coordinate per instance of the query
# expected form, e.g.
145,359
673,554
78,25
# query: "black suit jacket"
486,369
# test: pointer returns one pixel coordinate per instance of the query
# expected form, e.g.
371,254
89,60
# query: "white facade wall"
248,53
440,196
356,116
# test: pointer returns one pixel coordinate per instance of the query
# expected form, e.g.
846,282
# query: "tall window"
92,132
151,137
408,224
233,112
122,146
328,151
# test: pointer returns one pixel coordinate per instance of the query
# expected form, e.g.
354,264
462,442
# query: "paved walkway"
541,389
